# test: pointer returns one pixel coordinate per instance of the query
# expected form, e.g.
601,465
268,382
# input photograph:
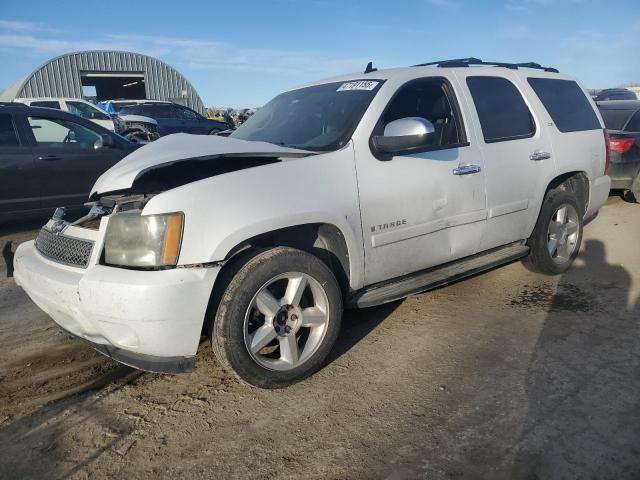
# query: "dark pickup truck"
622,119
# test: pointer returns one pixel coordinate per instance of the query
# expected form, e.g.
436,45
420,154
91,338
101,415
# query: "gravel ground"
509,374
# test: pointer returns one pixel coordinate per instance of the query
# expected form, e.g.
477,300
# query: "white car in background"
79,107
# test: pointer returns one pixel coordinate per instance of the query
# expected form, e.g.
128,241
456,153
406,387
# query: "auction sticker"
359,85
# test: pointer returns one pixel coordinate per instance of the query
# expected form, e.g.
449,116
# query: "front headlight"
135,240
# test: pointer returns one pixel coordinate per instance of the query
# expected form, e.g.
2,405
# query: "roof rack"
466,62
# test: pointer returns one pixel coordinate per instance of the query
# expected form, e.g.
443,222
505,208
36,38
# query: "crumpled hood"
179,147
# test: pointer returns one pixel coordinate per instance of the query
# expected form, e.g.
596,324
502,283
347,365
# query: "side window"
86,111
634,123
185,113
46,104
58,133
615,118
501,109
427,98
8,137
566,103
161,111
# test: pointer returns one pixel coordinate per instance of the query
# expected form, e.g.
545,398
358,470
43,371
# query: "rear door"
19,186
517,153
68,159
167,118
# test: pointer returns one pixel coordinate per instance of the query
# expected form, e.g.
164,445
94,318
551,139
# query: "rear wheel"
215,131
278,318
555,240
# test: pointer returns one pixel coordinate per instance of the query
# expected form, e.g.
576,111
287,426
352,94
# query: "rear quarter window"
8,137
566,103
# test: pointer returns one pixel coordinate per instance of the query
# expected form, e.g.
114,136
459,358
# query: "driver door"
66,160
417,210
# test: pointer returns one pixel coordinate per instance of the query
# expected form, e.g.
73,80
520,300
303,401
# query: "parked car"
50,158
356,191
79,107
173,118
616,94
113,106
622,119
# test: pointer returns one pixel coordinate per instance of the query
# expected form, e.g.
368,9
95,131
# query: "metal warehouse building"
106,75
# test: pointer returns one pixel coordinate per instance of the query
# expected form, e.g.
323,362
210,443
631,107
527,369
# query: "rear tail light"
607,162
621,145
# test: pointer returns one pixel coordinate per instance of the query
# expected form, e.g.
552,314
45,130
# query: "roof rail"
466,62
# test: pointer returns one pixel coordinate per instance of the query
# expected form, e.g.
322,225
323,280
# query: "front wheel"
555,240
278,318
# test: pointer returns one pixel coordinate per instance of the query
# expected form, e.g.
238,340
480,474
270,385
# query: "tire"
215,131
257,337
629,196
545,256
140,134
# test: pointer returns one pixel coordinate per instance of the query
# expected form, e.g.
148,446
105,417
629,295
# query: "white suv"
77,106
356,191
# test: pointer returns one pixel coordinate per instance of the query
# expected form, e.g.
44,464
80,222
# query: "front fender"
223,211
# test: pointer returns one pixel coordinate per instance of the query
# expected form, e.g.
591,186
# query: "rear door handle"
539,155
466,169
49,158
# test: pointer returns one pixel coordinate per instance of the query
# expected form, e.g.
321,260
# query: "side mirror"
106,141
404,135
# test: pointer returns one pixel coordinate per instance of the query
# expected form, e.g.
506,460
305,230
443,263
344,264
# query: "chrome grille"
67,250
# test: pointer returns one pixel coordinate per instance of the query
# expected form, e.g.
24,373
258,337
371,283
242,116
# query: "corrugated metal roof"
61,77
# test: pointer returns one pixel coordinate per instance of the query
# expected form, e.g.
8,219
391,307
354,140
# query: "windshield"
320,118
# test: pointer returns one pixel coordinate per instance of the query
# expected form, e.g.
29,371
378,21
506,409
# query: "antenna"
370,68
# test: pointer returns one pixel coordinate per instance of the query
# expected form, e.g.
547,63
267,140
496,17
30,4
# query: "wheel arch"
323,240
576,182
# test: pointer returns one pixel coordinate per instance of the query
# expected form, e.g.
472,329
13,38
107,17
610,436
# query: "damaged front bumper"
148,319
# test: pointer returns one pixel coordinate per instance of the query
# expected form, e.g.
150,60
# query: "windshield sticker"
359,85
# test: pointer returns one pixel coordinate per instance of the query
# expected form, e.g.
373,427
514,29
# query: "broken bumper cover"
151,320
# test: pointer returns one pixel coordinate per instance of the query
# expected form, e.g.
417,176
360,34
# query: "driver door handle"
539,155
466,169
48,158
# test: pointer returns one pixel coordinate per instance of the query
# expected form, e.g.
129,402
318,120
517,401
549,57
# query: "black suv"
50,158
622,119
173,118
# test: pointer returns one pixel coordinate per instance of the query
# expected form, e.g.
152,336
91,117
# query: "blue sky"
242,53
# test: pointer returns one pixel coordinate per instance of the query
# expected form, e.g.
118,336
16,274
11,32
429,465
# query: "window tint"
501,109
8,137
185,113
46,104
159,111
426,98
86,111
566,103
634,123
614,119
58,133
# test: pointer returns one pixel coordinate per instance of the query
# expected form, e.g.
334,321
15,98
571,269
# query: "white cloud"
195,53
24,26
442,3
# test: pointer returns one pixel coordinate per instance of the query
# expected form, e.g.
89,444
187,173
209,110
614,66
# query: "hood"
181,147
138,118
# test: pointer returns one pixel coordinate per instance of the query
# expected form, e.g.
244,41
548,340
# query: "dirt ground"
507,375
